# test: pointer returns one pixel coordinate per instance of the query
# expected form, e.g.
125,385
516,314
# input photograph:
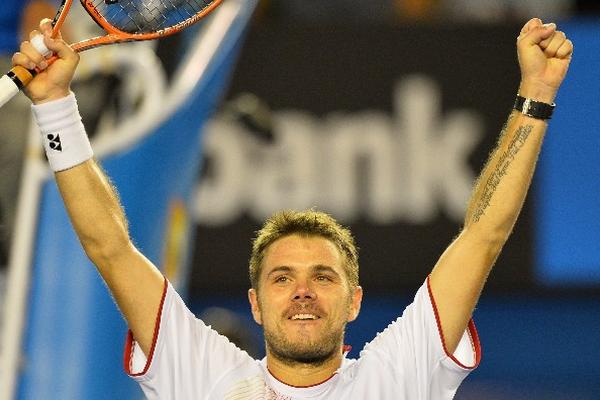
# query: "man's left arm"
460,274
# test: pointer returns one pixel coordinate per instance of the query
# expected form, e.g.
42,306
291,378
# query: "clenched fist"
544,56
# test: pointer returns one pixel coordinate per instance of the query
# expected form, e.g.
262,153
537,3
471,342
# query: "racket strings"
148,16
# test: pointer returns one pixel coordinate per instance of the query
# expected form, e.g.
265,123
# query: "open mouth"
304,317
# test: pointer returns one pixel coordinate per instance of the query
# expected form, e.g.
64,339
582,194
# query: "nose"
303,292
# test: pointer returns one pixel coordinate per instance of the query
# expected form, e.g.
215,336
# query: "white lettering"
407,167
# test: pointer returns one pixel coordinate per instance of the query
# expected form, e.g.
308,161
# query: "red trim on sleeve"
472,334
127,358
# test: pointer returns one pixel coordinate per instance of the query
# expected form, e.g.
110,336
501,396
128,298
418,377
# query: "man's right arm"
92,202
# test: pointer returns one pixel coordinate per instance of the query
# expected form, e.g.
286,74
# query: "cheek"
267,311
347,309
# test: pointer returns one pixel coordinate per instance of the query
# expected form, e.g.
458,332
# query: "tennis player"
303,267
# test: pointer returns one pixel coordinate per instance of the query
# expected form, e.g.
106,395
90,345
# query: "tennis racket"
123,21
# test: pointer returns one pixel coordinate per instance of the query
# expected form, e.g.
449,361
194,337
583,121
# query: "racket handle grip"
11,83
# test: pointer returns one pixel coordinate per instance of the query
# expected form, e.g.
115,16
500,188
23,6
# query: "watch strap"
534,109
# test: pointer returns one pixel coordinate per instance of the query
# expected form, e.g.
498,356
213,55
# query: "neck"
303,374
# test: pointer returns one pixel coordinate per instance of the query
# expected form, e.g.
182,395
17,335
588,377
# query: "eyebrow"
325,268
319,268
281,268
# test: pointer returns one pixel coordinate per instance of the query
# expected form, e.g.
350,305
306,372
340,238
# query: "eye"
281,279
323,278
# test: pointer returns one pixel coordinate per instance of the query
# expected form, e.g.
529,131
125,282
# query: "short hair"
306,223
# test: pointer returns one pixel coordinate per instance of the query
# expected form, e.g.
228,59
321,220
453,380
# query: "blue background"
567,196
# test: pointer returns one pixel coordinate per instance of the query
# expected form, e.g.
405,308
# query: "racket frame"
115,35
20,76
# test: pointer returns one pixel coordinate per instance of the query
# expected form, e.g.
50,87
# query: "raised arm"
460,274
90,199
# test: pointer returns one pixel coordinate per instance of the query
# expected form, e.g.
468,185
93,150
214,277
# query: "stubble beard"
307,352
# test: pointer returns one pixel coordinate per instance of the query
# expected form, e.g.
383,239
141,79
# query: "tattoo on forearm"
501,169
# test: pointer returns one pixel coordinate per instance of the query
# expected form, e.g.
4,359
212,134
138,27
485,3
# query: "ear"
355,303
254,306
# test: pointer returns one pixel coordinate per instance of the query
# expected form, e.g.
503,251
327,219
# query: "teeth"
304,316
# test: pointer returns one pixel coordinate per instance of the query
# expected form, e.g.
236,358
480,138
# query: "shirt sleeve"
186,358
413,347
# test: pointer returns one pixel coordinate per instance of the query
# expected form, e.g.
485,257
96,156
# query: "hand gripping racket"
123,21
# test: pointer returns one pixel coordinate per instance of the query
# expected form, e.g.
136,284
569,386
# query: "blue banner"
567,200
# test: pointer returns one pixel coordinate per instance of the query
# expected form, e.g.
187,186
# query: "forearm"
500,191
94,210
90,200
460,274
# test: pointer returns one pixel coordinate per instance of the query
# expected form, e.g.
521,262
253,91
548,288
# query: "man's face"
304,299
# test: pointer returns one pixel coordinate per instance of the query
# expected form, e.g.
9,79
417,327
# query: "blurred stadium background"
382,113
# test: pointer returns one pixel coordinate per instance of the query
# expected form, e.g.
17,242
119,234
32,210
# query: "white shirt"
188,361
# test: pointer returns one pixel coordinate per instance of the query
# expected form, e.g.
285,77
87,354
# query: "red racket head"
127,20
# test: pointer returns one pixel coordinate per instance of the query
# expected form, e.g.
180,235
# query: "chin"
310,356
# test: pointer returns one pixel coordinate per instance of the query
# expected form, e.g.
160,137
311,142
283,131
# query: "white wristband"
63,133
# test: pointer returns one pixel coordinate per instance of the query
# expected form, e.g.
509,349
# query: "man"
303,268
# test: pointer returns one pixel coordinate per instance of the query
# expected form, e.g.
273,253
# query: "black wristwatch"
534,109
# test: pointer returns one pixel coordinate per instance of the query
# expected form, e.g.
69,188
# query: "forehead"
302,251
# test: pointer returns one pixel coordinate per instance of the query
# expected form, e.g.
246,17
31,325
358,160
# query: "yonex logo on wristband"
62,133
55,143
